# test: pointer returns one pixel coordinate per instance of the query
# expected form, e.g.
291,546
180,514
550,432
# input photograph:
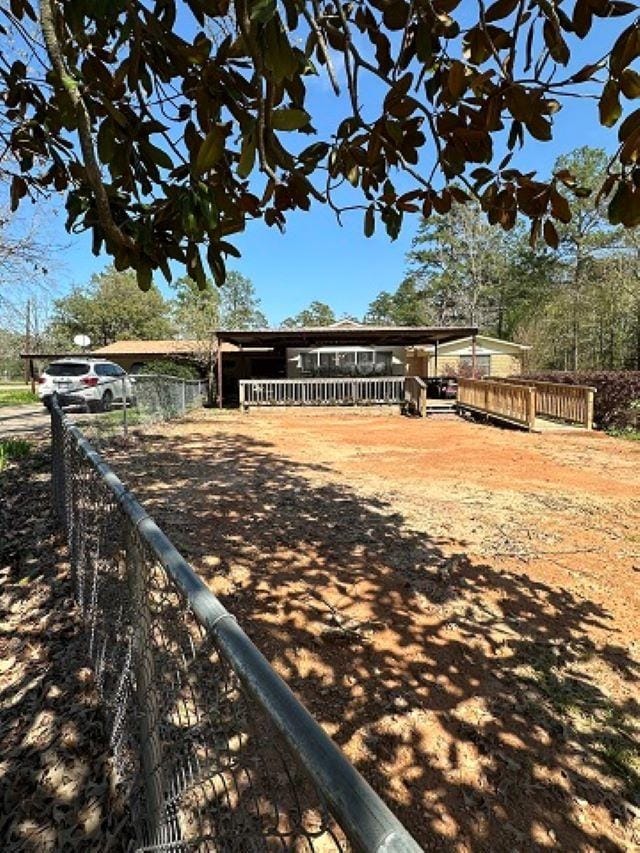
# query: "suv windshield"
67,368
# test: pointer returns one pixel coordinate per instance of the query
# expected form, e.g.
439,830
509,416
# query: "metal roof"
402,336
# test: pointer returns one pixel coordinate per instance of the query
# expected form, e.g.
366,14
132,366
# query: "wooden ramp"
546,425
534,406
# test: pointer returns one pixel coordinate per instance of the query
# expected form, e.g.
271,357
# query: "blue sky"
318,259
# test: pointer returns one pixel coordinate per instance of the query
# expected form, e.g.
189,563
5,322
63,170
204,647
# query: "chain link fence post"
125,426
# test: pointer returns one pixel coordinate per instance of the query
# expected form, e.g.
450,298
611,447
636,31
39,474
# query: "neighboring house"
135,356
494,357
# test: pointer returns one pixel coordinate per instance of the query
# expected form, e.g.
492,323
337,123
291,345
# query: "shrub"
12,448
617,393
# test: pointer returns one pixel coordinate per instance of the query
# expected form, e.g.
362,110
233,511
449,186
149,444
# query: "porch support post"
32,374
435,360
473,357
219,366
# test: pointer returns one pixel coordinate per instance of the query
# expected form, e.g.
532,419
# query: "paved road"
16,421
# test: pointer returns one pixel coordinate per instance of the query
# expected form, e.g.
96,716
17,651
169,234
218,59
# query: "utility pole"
27,339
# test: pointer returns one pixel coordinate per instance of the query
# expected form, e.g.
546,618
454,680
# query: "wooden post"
241,391
219,365
435,359
473,357
531,408
589,418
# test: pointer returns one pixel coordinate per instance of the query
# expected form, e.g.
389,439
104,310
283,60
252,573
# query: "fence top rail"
165,376
368,823
536,383
481,383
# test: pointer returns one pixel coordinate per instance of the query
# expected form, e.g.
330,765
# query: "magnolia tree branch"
103,207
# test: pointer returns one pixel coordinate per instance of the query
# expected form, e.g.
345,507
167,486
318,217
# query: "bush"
617,397
164,367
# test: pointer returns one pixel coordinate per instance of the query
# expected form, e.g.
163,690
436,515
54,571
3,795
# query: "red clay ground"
456,603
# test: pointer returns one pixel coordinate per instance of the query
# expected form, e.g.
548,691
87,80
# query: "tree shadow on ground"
56,780
470,697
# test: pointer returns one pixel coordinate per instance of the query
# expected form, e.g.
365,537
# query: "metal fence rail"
212,750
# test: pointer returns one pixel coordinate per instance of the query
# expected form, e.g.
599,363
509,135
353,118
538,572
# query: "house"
493,357
135,356
343,350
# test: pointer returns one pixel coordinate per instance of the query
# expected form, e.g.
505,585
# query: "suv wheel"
107,401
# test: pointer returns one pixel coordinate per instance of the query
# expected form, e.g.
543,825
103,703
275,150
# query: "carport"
275,344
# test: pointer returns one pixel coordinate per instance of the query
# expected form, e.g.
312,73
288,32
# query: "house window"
483,364
328,360
308,362
346,363
383,363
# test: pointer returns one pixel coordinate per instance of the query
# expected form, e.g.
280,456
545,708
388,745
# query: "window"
328,359
308,362
67,368
383,363
346,359
346,363
483,364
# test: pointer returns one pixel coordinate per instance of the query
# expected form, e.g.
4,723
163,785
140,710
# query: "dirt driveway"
23,421
456,603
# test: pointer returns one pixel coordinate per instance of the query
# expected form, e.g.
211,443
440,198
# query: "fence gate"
211,748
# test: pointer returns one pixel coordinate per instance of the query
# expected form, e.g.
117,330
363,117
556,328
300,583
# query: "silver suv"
91,382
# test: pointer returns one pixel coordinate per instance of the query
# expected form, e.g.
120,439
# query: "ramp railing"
211,748
560,401
509,402
415,394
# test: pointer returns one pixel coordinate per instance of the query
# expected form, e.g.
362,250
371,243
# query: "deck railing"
415,394
557,400
507,401
357,391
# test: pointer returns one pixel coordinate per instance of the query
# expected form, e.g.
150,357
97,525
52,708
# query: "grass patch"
16,396
610,730
12,448
628,434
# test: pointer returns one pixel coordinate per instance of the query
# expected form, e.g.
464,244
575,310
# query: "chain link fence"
143,399
212,750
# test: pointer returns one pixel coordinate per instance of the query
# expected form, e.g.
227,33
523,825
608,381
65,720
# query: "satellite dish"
82,340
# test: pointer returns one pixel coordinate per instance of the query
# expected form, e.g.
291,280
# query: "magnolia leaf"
247,156
629,125
618,204
609,106
156,155
211,150
288,118
550,234
369,221
18,191
456,82
500,9
144,277
630,83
